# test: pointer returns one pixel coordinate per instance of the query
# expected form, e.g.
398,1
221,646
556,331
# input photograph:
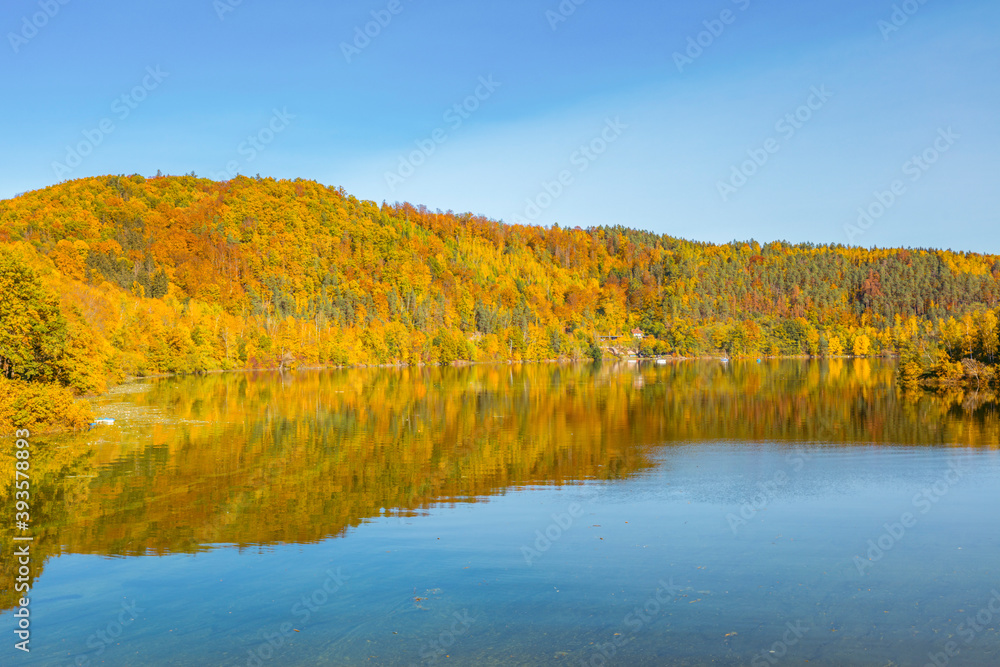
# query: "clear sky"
720,120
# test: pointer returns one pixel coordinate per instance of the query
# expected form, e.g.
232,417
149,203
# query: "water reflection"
252,460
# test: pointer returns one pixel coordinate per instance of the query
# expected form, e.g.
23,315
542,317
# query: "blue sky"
787,121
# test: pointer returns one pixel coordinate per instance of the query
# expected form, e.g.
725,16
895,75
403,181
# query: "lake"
625,514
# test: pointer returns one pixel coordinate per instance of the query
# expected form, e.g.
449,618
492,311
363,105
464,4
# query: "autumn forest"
109,277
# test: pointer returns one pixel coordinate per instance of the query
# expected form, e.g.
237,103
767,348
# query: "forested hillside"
112,276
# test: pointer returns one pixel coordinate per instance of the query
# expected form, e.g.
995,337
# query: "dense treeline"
179,274
966,354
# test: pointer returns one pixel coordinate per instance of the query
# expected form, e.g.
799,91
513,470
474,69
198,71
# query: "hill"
132,276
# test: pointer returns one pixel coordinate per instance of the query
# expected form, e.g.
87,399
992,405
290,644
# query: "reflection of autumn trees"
263,458
186,274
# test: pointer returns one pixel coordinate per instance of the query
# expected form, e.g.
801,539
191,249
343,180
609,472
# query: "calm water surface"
689,514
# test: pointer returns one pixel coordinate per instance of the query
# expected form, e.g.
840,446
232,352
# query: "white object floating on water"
106,421
662,361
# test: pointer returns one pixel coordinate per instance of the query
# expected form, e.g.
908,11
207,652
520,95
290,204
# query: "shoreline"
660,360
463,363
